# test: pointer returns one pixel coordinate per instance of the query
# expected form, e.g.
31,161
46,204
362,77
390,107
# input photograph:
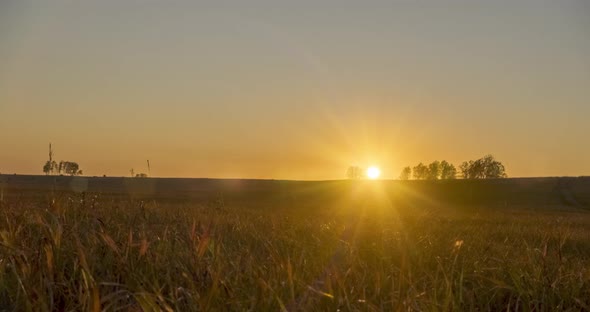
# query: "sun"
373,172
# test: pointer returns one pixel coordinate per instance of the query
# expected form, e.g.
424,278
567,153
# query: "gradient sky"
294,89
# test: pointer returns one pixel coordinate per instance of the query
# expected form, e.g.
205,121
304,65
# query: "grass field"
75,245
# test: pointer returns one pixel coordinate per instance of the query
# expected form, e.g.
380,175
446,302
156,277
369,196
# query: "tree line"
486,167
63,167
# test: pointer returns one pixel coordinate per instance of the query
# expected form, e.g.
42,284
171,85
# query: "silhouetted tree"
406,173
433,170
493,169
50,167
466,171
354,173
141,175
47,168
483,168
447,171
420,172
69,167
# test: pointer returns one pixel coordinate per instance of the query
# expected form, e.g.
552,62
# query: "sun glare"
373,173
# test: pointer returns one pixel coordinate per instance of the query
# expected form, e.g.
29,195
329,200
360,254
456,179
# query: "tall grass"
73,252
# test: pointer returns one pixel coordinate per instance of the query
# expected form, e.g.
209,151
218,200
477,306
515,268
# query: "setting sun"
373,173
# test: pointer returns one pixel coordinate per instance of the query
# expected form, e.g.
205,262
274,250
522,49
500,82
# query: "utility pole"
149,169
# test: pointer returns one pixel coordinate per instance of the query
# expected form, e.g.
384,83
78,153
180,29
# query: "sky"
294,89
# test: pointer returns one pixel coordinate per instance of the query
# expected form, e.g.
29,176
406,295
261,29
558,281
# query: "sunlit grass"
75,252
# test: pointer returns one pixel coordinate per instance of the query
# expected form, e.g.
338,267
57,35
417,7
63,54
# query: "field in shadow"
174,244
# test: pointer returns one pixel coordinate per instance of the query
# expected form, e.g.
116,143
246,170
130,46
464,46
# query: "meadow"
77,244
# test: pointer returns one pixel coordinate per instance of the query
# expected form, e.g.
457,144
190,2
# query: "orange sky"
294,91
